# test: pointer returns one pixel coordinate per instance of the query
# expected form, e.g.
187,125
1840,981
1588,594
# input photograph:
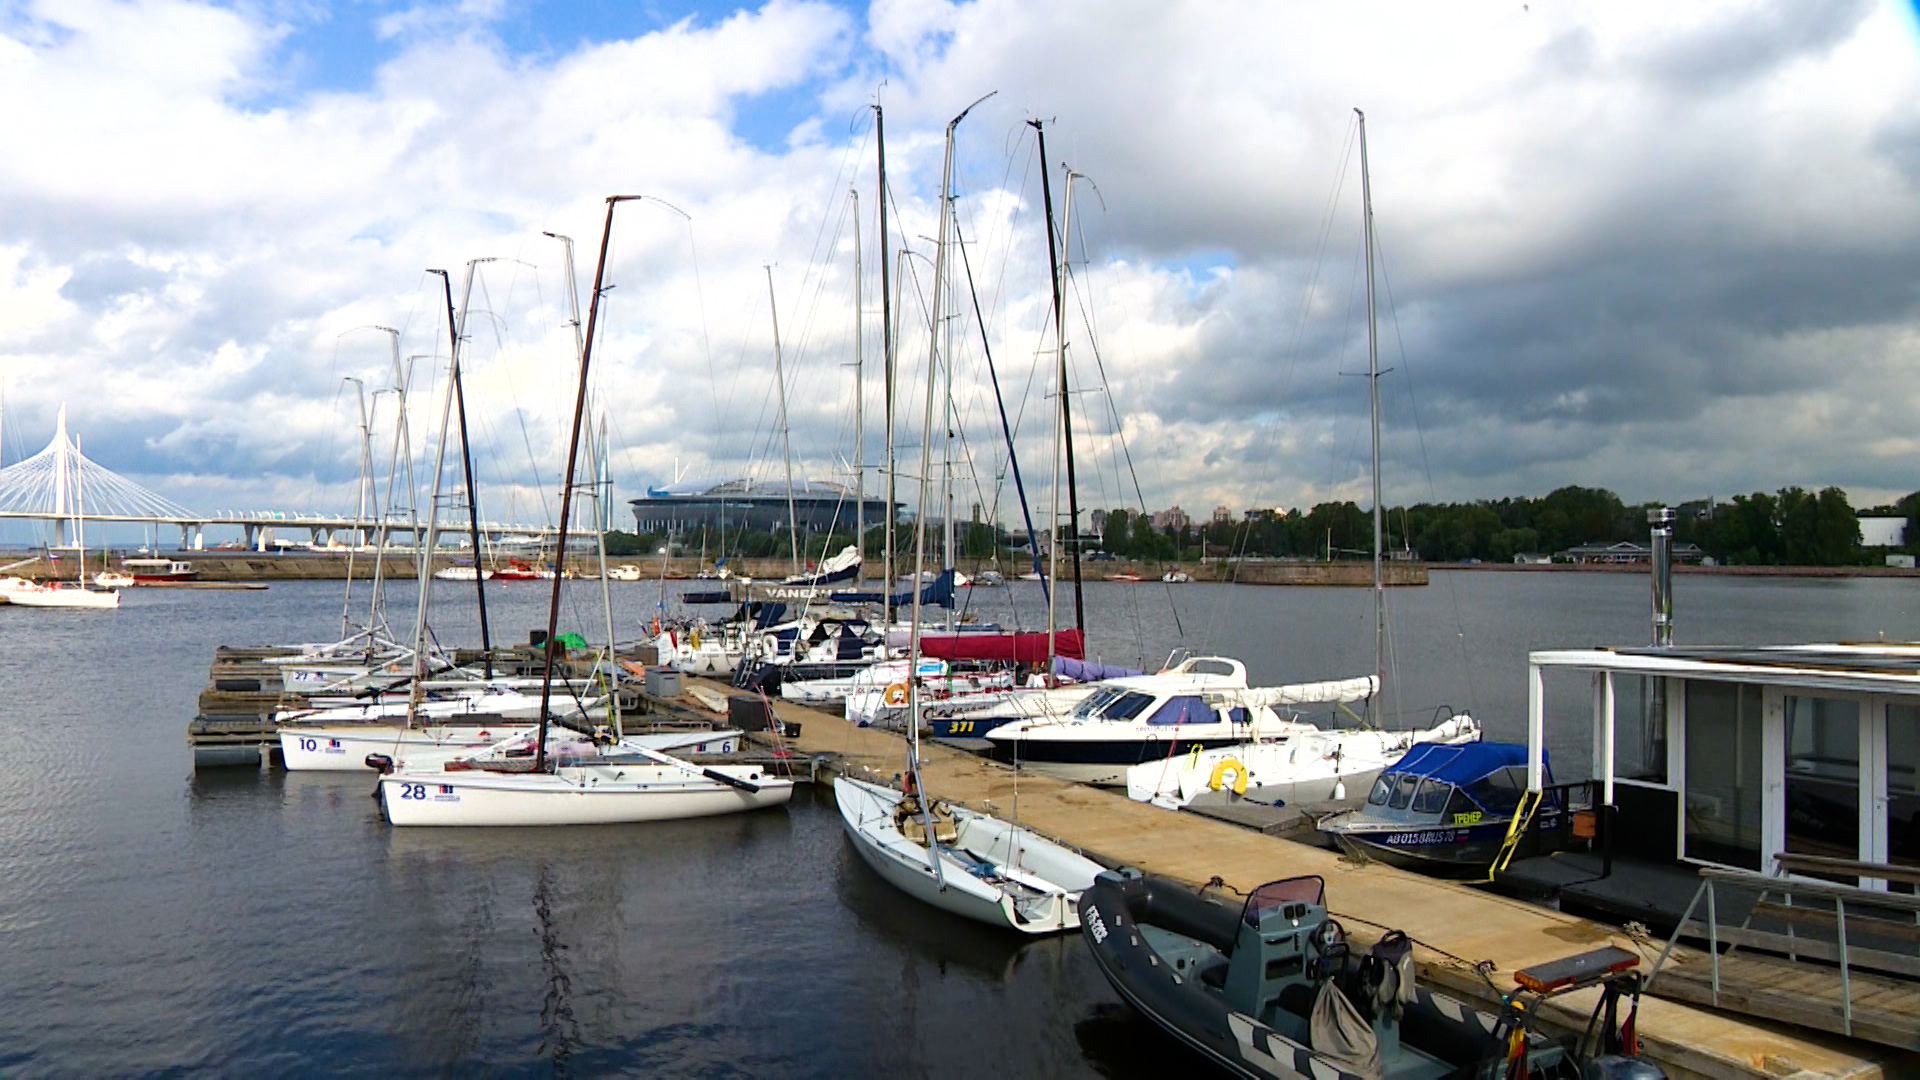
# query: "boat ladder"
1516,829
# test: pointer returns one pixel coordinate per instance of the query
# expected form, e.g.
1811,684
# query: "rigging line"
1426,464
1291,355
1082,291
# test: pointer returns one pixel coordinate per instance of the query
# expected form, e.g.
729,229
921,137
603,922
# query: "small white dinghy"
988,870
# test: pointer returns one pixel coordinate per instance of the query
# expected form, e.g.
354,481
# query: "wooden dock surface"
1449,920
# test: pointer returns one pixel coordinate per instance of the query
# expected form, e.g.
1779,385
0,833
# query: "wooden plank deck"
1448,919
1885,1010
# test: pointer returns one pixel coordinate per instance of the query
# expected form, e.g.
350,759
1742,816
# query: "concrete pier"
1456,925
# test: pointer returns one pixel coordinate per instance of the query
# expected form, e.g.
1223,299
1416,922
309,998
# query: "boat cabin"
1730,757
1451,784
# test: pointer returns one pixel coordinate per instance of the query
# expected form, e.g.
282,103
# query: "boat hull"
1437,850
68,596
866,813
344,747
1115,915
589,795
1101,762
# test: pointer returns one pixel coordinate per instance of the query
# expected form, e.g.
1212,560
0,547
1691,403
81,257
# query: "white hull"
582,795
66,596
344,748
1034,887
1311,767
496,705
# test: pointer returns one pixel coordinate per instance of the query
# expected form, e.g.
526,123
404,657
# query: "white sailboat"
548,790
1314,765
76,593
969,863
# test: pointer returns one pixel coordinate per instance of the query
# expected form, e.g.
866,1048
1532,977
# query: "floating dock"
1456,925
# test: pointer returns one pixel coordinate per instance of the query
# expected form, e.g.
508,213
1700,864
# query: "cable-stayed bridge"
61,486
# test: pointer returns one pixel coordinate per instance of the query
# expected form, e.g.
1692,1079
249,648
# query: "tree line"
1789,527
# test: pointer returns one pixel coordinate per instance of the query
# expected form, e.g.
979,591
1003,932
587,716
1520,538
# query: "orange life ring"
897,694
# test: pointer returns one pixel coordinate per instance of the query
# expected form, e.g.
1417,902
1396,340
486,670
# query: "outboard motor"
380,763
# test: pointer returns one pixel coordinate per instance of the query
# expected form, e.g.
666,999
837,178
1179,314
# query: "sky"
1667,251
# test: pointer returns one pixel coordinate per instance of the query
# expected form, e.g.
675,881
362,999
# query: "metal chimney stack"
1662,522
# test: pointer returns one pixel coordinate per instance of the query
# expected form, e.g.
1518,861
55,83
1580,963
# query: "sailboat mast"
402,377
786,443
566,487
432,539
455,330
1066,410
1373,387
859,401
361,498
599,477
886,346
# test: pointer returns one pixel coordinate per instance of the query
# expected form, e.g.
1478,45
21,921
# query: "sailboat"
640,784
76,593
962,861
1313,765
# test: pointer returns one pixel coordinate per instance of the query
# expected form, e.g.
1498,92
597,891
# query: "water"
157,921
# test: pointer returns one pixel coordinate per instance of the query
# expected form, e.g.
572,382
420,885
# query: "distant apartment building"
1097,524
1171,520
1222,515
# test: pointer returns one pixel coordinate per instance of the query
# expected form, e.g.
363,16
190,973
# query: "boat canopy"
1459,763
1020,647
842,567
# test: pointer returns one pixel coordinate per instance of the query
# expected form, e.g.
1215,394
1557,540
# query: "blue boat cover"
1088,671
1183,710
938,593
1462,763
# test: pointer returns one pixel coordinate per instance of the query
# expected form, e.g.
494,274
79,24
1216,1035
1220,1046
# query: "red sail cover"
1024,648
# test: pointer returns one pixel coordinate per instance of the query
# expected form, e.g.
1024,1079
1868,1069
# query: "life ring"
896,694
1220,770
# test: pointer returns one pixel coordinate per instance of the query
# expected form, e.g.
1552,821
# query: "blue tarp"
1088,671
938,593
1463,763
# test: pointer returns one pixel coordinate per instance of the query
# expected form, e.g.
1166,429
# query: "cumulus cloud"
1668,255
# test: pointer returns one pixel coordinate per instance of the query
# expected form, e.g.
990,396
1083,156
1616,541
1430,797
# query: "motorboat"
1318,767
880,695
1271,988
155,571
987,579
623,572
113,579
462,573
1446,809
1071,682
1176,576
963,861
1203,702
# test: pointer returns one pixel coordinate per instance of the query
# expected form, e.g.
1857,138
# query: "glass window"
1823,776
1097,701
1903,789
1433,797
1182,710
1723,773
1639,729
1498,791
1403,792
1382,787
1130,704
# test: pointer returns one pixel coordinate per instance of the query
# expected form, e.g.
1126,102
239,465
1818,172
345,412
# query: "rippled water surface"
157,921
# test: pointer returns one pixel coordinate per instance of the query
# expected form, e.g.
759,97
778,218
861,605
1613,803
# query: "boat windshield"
1433,797
1403,791
1114,703
1310,889
1382,788
1500,789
